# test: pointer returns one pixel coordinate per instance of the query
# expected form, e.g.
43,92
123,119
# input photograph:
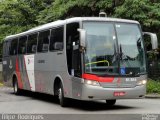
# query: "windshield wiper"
126,57
108,74
102,75
120,52
123,56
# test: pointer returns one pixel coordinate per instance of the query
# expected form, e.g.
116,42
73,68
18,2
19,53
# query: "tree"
19,15
61,9
144,11
15,17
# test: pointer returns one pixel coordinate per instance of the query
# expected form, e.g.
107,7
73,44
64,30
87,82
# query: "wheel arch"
13,78
57,81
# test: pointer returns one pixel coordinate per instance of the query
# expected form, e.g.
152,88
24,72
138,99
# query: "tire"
17,91
62,100
110,102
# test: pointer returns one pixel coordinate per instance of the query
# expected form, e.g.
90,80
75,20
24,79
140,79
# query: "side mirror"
82,37
154,40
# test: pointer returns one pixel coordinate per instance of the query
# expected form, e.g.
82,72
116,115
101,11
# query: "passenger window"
32,43
22,45
13,47
56,40
5,48
43,41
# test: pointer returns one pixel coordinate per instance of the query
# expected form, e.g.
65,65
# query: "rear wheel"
16,89
110,102
62,99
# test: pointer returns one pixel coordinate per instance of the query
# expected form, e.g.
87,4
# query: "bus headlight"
92,82
142,82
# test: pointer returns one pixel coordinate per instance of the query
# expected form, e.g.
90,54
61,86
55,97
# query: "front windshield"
113,49
100,55
131,49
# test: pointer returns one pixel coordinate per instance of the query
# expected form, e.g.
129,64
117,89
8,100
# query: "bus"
83,58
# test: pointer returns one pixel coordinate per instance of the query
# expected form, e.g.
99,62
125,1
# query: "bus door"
73,57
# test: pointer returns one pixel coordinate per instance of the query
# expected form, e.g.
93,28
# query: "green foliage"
61,9
20,15
153,86
15,17
144,11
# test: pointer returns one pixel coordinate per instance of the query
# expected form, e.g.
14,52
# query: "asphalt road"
36,103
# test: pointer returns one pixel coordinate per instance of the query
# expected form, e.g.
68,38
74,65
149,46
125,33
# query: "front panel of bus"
113,61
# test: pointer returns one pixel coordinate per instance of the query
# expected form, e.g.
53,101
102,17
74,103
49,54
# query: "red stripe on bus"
97,78
26,72
20,84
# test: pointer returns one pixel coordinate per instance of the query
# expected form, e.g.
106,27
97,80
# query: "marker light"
142,82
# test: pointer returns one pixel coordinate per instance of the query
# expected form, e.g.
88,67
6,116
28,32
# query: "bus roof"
70,20
100,19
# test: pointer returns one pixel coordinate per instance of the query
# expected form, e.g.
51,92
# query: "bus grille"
114,85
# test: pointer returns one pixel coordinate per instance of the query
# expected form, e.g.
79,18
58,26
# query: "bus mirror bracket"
154,40
82,37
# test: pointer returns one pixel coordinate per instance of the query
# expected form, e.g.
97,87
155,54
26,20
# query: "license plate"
119,93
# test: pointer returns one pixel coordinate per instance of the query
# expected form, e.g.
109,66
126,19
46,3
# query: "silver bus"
84,58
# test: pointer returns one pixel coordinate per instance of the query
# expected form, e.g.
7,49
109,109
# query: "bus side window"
32,44
6,48
56,40
43,41
22,45
13,47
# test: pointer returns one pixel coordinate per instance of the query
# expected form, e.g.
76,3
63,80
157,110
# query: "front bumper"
90,92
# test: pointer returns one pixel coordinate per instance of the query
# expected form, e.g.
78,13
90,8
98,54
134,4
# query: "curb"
152,96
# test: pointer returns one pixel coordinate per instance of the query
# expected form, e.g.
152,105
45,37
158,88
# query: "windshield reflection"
100,56
131,49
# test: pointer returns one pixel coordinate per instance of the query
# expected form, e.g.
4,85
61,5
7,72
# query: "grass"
153,86
1,84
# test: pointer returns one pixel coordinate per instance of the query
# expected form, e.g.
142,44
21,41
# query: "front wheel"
62,99
110,102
